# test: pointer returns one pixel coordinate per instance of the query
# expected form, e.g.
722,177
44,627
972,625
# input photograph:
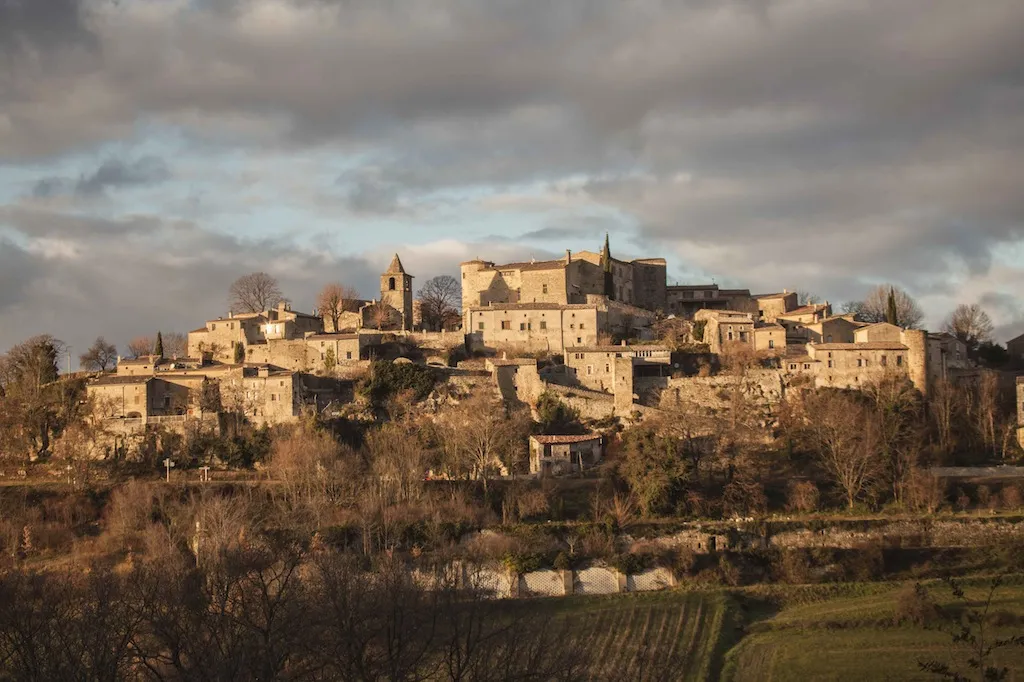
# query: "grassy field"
817,632
854,637
651,637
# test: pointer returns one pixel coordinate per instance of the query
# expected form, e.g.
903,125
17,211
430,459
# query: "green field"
826,632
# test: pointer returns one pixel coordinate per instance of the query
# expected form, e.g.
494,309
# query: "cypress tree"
159,350
606,265
891,316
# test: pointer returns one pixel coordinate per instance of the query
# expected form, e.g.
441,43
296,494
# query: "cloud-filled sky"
153,150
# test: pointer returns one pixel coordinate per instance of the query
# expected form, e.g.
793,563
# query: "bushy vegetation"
388,379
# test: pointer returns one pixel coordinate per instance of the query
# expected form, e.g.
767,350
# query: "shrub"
562,562
388,379
631,564
802,496
555,416
914,605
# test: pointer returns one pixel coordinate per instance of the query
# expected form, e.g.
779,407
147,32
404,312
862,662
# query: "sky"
151,151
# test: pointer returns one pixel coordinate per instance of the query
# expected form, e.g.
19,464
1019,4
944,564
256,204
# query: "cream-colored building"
769,338
685,300
725,327
594,367
218,338
771,306
565,281
851,365
551,327
556,455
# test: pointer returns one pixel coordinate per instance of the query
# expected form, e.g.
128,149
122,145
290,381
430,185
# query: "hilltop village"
611,338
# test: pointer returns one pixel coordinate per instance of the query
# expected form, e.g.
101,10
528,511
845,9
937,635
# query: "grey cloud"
832,143
118,173
19,269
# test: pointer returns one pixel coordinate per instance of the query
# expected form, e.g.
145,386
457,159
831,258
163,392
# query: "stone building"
725,327
565,281
594,367
808,314
685,300
771,306
1015,348
396,291
552,327
555,455
218,338
769,338
947,356
875,353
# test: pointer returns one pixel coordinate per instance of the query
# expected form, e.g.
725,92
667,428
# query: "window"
830,365
899,360
505,324
743,336
807,365
213,327
543,324
281,383
829,338
481,326
771,343
730,336
273,397
860,362
607,368
581,325
321,344
391,284
529,326
544,288
522,326
884,361
348,355
792,366
590,369
579,340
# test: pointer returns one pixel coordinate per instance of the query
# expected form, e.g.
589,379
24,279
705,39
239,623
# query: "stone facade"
725,327
556,455
550,327
396,292
217,339
686,300
594,367
771,306
640,282
770,338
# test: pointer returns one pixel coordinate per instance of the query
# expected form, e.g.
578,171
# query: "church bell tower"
396,291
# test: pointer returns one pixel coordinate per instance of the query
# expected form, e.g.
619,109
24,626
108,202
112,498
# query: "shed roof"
562,439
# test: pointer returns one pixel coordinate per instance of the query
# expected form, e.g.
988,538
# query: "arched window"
391,284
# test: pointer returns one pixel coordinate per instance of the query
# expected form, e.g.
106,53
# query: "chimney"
785,291
568,256
231,314
623,342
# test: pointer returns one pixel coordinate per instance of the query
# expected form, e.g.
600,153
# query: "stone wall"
766,386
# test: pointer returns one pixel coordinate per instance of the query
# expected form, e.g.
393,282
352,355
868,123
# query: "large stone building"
569,280
685,300
557,454
594,367
218,339
553,327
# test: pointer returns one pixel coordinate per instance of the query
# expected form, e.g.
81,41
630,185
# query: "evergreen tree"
891,316
606,265
159,350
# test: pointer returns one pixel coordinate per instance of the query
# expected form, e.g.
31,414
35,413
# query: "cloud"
824,145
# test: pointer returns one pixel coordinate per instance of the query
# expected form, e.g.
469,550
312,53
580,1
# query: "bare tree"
334,300
175,345
254,293
440,299
875,307
807,298
845,439
140,346
99,357
481,437
970,324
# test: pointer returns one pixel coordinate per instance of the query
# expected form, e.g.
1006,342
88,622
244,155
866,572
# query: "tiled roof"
871,345
561,439
615,349
115,380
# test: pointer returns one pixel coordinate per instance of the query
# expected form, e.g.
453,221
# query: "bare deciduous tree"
874,308
845,440
100,356
334,300
481,437
970,324
440,300
254,293
175,345
140,346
